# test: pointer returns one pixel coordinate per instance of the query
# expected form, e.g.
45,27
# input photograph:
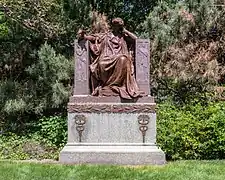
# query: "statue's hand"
128,33
81,33
125,31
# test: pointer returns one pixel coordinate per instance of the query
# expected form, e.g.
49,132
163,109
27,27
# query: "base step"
120,155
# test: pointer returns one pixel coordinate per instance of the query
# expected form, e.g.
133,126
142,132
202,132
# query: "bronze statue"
112,70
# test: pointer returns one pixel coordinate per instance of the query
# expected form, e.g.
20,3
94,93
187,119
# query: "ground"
179,170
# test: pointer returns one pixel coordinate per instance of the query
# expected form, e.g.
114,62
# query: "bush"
45,143
192,131
54,130
185,132
16,147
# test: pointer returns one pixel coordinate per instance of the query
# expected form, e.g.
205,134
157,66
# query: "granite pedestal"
112,133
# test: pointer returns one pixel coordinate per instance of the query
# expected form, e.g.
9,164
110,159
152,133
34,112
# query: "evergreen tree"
186,40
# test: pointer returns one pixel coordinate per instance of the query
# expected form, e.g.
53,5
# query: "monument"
111,115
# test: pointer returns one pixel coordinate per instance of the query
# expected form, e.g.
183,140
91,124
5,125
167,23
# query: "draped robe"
112,71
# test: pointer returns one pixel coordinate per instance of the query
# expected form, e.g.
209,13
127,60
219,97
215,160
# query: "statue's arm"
82,35
89,37
130,34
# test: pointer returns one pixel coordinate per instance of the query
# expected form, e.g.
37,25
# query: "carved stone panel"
81,53
111,108
143,64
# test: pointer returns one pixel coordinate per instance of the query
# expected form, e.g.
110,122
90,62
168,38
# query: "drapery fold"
112,71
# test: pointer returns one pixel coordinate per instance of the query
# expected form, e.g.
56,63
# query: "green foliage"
16,147
34,78
170,23
46,87
186,47
132,12
45,142
54,130
193,131
51,75
3,26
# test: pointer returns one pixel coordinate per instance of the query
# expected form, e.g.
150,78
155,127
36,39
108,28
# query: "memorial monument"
111,115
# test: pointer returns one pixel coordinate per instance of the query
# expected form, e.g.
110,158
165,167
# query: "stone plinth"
114,133
112,154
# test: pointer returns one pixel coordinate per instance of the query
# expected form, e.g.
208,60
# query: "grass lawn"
180,170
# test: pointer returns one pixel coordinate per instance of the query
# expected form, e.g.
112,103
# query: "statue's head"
117,24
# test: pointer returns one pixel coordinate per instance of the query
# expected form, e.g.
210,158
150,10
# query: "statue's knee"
123,59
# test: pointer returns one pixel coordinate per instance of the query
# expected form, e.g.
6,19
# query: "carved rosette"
80,121
143,121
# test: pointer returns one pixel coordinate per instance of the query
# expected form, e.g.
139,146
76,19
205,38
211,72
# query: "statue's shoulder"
100,35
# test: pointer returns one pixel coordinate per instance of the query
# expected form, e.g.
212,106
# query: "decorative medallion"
80,121
143,121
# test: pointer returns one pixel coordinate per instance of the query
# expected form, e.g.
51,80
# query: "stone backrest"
82,73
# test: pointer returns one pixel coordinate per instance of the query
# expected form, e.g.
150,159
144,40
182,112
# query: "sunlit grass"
180,170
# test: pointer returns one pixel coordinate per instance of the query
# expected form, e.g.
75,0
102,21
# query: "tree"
187,41
132,12
27,87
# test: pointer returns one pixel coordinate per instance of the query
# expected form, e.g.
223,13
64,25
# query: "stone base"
105,132
112,154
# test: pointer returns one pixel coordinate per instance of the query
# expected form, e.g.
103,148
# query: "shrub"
192,131
54,130
186,132
16,147
45,143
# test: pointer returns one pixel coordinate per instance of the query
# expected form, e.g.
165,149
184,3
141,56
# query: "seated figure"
112,71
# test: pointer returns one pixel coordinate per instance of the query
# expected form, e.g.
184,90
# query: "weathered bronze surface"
111,62
110,99
111,108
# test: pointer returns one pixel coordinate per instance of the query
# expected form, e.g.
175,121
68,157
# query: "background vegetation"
187,71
